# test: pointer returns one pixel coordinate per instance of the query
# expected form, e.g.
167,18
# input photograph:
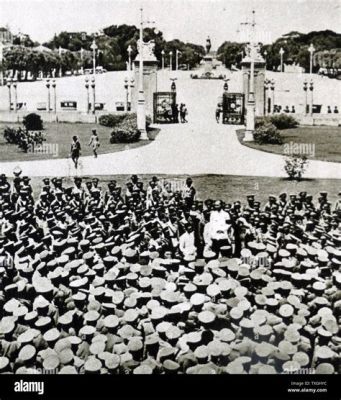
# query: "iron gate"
233,108
164,103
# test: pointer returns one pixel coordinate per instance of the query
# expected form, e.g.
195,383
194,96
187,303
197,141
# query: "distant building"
23,37
328,58
42,49
73,35
6,36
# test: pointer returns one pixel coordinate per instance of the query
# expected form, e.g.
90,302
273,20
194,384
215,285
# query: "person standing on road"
183,113
94,142
75,150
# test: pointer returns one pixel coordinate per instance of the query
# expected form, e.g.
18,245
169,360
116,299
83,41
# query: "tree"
230,53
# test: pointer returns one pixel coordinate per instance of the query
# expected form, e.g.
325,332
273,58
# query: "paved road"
200,147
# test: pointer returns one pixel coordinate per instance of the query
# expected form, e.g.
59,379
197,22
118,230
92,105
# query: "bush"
295,166
284,121
281,121
126,131
267,134
261,121
111,120
10,134
33,122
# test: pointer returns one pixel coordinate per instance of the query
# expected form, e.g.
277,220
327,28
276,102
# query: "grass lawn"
61,134
327,141
229,188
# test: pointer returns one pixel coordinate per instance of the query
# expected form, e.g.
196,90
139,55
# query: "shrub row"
281,121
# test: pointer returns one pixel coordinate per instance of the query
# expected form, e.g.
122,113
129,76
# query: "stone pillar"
150,65
259,78
149,85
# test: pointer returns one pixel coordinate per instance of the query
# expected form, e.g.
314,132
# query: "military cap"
4,364
27,353
143,370
87,331
197,299
7,325
20,312
324,369
28,336
92,365
51,363
264,350
112,362
91,317
206,317
166,353
302,358
43,323
17,171
97,347
42,285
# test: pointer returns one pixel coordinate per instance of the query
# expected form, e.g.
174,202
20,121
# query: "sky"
187,20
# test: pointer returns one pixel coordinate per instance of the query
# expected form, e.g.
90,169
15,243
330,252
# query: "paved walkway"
200,147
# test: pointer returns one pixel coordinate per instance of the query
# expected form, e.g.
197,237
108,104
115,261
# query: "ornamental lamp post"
131,86
9,85
93,85
170,60
94,47
15,95
87,95
1,64
126,87
54,96
173,85
177,59
311,50
272,87
281,52
163,59
60,65
265,55
48,95
267,84
305,88
129,49
82,60
311,87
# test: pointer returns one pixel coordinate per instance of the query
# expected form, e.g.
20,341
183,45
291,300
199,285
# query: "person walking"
94,142
75,150
217,113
